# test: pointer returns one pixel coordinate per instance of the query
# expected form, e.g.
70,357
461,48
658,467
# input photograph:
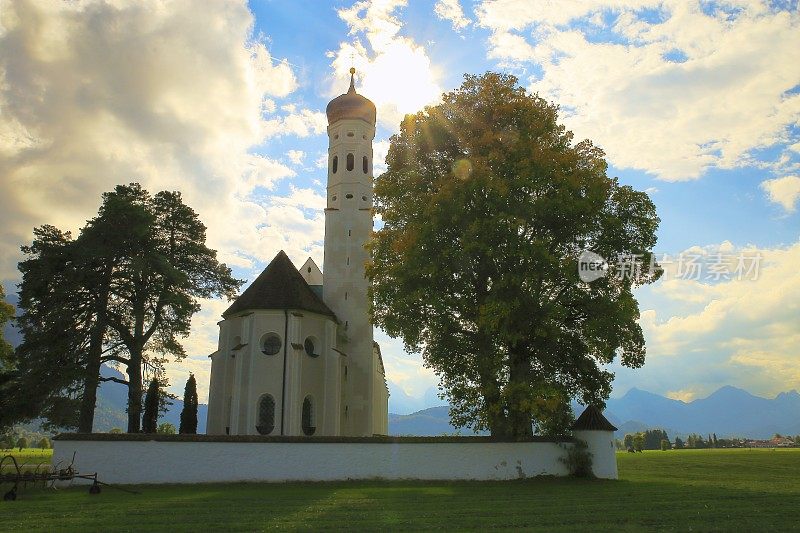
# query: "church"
296,354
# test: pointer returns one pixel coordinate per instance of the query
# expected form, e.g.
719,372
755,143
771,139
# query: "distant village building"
296,354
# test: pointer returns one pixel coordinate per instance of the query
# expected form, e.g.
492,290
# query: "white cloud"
395,72
783,191
299,123
742,332
451,10
296,156
725,96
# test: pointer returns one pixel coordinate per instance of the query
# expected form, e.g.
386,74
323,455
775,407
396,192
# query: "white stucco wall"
135,462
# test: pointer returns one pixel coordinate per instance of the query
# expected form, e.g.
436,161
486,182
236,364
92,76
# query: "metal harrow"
45,474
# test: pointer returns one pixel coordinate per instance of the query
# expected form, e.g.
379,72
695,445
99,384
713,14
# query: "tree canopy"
487,206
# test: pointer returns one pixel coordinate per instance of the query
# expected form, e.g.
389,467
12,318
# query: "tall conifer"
189,412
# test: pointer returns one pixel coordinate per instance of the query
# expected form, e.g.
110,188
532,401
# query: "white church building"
296,354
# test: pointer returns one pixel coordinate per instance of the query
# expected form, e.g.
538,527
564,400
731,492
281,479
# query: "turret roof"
592,419
279,286
351,105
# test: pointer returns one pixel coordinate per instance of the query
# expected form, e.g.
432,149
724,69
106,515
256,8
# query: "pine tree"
151,401
189,412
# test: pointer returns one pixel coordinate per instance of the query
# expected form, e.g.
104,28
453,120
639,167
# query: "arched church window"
309,425
335,164
310,346
351,161
350,134
364,163
271,344
266,415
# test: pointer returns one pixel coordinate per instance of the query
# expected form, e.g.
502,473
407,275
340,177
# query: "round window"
348,196
311,348
271,344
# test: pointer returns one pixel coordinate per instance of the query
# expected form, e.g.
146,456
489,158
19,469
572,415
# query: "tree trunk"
135,391
92,373
520,420
91,382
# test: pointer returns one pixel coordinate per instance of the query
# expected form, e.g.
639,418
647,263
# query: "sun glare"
401,77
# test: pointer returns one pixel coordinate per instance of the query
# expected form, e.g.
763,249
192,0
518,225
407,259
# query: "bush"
22,443
578,460
664,445
115,430
44,443
166,429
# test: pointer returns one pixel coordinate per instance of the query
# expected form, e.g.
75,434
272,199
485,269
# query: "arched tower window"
309,425
266,415
335,164
351,161
364,164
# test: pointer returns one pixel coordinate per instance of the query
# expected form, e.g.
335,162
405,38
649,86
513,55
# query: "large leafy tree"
487,205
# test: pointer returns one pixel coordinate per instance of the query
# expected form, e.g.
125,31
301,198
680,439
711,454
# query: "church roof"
279,286
351,105
592,419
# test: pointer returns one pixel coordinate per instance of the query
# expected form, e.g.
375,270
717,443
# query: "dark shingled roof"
592,419
280,286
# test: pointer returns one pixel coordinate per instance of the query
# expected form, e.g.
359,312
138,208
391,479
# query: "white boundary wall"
135,462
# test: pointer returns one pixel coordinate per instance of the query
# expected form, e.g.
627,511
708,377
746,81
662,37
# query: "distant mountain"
112,402
727,412
427,423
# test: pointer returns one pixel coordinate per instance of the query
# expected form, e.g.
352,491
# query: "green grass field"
745,490
27,458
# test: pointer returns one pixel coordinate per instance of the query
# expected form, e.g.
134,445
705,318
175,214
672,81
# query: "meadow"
745,489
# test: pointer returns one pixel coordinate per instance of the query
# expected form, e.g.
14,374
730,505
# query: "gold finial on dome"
352,88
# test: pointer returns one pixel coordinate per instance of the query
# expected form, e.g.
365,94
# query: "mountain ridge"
729,411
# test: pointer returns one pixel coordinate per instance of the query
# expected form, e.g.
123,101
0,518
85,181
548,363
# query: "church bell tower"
348,224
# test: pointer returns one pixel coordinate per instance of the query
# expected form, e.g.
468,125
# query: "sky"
695,102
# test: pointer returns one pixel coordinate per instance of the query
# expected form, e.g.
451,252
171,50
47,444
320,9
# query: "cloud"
393,71
296,156
451,10
783,191
298,123
672,88
99,93
703,334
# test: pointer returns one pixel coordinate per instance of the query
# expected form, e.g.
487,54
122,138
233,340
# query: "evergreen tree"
189,412
123,292
151,407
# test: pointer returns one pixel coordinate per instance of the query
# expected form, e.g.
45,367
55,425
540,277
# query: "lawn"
746,490
27,458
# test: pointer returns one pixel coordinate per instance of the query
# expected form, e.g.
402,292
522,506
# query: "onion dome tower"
348,225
